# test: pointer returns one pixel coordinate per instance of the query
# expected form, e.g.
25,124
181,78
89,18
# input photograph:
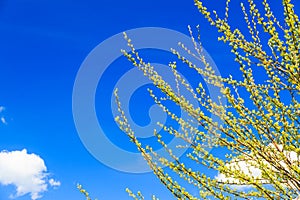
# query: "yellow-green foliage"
84,192
264,136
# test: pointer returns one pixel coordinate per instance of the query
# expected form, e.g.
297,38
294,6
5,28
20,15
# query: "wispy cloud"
3,120
54,183
27,172
2,108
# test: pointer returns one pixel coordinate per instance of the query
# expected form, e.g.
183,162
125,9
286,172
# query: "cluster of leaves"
84,192
260,121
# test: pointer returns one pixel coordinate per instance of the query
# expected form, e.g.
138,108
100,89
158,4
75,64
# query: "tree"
260,127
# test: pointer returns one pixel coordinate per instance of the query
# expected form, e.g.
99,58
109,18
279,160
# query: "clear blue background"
42,45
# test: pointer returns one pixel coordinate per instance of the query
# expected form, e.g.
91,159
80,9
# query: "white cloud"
242,166
3,120
54,183
25,171
248,168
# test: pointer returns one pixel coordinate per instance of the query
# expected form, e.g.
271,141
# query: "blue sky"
43,44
